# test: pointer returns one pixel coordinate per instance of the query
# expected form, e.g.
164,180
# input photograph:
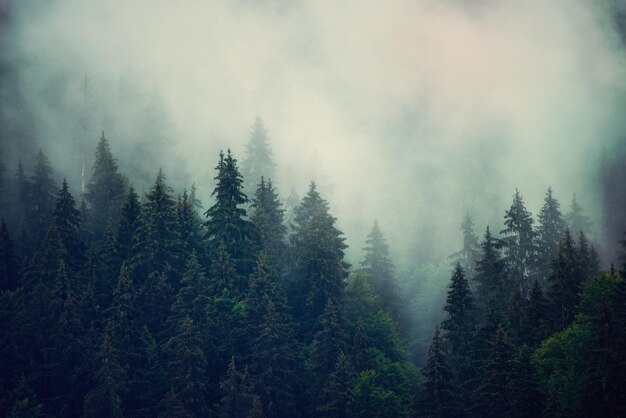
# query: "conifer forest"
297,208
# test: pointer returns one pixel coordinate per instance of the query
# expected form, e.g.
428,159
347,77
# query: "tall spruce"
441,381
190,226
105,191
491,275
40,204
226,220
469,255
460,309
379,272
549,234
259,162
128,227
68,224
268,216
320,271
519,243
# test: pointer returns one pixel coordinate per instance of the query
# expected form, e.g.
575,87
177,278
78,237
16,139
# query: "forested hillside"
116,304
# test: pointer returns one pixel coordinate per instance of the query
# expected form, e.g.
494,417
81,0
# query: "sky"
411,112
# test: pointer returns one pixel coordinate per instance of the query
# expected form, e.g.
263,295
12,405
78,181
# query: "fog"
412,113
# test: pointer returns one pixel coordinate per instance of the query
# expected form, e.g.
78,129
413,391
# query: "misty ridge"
297,208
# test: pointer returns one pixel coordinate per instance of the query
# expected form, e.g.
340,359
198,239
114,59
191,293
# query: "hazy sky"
412,112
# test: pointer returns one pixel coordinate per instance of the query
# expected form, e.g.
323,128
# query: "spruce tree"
535,319
320,271
526,399
549,234
441,384
519,243
460,308
268,216
470,253
258,163
9,265
105,191
68,224
237,399
491,275
337,400
227,221
190,226
379,272
127,229
564,284
40,204
576,220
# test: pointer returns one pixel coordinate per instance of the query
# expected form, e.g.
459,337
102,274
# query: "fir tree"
268,216
130,221
104,400
491,274
67,221
564,284
379,272
470,253
519,243
105,191
576,220
40,203
227,221
258,163
441,387
190,226
319,267
459,306
535,325
338,390
9,266
549,234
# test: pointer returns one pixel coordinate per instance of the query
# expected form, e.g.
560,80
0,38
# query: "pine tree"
379,272
67,221
320,271
104,400
564,284
338,390
188,366
491,274
157,248
105,191
190,226
237,394
328,342
130,221
258,163
576,220
441,387
9,266
526,399
549,234
470,253
535,325
40,204
227,221
268,216
519,243
459,306
492,393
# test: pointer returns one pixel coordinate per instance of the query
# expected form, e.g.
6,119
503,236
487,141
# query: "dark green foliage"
105,191
227,221
564,284
535,318
104,399
337,393
550,232
441,381
9,265
319,269
39,204
237,395
190,226
526,400
130,220
66,219
268,216
492,393
258,163
379,271
157,247
491,275
459,324
519,243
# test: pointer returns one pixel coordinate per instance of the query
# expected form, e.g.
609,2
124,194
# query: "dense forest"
115,304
